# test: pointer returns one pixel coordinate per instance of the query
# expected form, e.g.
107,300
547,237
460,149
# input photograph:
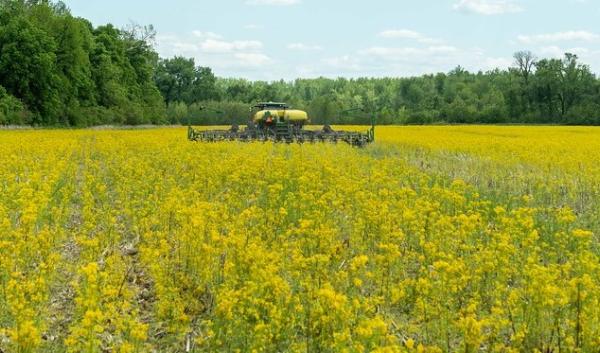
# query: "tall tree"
525,62
175,78
28,68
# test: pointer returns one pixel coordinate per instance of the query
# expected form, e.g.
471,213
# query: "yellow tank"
293,116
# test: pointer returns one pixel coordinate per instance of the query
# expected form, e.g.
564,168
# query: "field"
434,239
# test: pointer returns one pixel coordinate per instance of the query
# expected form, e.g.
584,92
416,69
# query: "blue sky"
274,39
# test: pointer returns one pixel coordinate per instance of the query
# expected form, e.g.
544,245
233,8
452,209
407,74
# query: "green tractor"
277,122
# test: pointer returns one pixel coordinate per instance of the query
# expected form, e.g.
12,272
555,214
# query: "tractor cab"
271,106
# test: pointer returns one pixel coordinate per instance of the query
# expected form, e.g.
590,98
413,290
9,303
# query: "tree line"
534,91
59,70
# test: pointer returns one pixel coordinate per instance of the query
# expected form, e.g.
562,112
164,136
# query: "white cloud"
408,53
206,35
568,36
382,61
488,7
206,42
551,50
422,56
273,2
400,33
176,45
253,59
408,34
558,52
221,46
303,47
226,57
344,63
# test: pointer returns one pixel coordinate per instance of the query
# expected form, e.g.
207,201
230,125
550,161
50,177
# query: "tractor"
277,122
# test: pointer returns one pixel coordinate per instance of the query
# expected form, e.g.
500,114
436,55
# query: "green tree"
28,68
204,85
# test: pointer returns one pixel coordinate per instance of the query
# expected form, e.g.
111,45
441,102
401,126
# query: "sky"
288,39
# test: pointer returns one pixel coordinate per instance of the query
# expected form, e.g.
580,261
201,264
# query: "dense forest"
59,70
56,69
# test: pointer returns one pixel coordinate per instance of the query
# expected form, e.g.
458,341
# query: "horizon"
334,39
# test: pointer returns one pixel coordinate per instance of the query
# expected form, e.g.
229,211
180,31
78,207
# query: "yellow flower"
464,237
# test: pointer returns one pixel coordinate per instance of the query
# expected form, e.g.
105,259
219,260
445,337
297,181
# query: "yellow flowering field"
433,239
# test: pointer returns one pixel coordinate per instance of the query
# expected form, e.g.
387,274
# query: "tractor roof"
264,105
